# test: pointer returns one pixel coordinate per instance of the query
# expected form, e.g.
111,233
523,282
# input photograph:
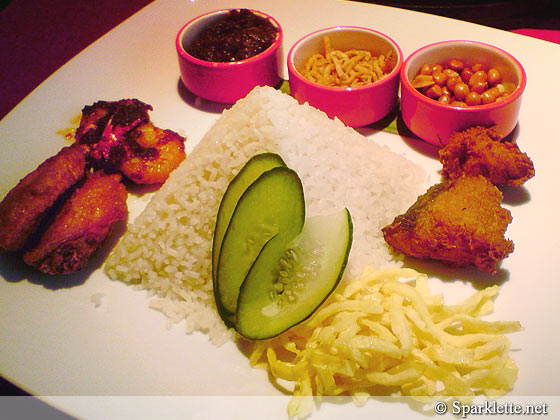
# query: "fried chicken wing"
25,206
85,219
122,139
479,151
460,222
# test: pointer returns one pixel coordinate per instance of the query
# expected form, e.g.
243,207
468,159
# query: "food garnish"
271,274
385,332
458,84
270,212
479,151
255,167
347,68
460,222
285,286
241,34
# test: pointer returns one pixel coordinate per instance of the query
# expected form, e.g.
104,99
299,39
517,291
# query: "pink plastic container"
435,122
227,82
354,106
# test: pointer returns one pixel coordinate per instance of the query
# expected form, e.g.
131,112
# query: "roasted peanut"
487,97
461,90
494,76
455,64
461,84
440,78
422,81
434,92
466,74
479,87
452,81
426,69
477,67
479,76
473,99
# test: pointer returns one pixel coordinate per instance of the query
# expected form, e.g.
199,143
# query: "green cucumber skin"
254,167
274,200
256,291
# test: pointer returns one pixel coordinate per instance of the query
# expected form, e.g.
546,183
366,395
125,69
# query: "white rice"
167,249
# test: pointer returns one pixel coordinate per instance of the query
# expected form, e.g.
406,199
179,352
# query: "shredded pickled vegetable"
386,332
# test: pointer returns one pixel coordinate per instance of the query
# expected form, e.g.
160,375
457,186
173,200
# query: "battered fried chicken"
479,151
122,139
25,206
460,222
78,229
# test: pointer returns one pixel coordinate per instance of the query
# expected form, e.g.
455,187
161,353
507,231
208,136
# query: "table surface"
36,42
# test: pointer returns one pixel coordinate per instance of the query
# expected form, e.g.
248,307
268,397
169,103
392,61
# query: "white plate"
55,342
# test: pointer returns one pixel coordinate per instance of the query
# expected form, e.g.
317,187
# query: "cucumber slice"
254,167
271,210
287,284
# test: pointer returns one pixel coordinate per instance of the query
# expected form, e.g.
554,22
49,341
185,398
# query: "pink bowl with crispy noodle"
354,106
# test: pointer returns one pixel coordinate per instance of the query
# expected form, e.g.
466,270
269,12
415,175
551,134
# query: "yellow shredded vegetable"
385,333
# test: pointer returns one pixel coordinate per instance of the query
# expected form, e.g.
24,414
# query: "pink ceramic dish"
435,122
354,106
226,82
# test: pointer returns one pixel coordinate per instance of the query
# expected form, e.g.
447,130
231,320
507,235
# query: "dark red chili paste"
240,35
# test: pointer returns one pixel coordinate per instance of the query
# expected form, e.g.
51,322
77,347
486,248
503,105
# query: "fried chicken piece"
25,206
85,219
460,222
479,151
122,139
103,127
159,153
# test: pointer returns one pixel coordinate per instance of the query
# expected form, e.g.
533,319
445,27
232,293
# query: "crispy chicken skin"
25,206
479,151
460,222
78,229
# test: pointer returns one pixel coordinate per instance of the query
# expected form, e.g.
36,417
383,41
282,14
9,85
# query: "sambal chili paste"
240,35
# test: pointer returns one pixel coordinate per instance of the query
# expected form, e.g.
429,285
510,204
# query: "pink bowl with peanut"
435,121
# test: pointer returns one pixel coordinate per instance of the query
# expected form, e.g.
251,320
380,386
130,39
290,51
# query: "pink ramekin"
435,122
227,82
354,106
